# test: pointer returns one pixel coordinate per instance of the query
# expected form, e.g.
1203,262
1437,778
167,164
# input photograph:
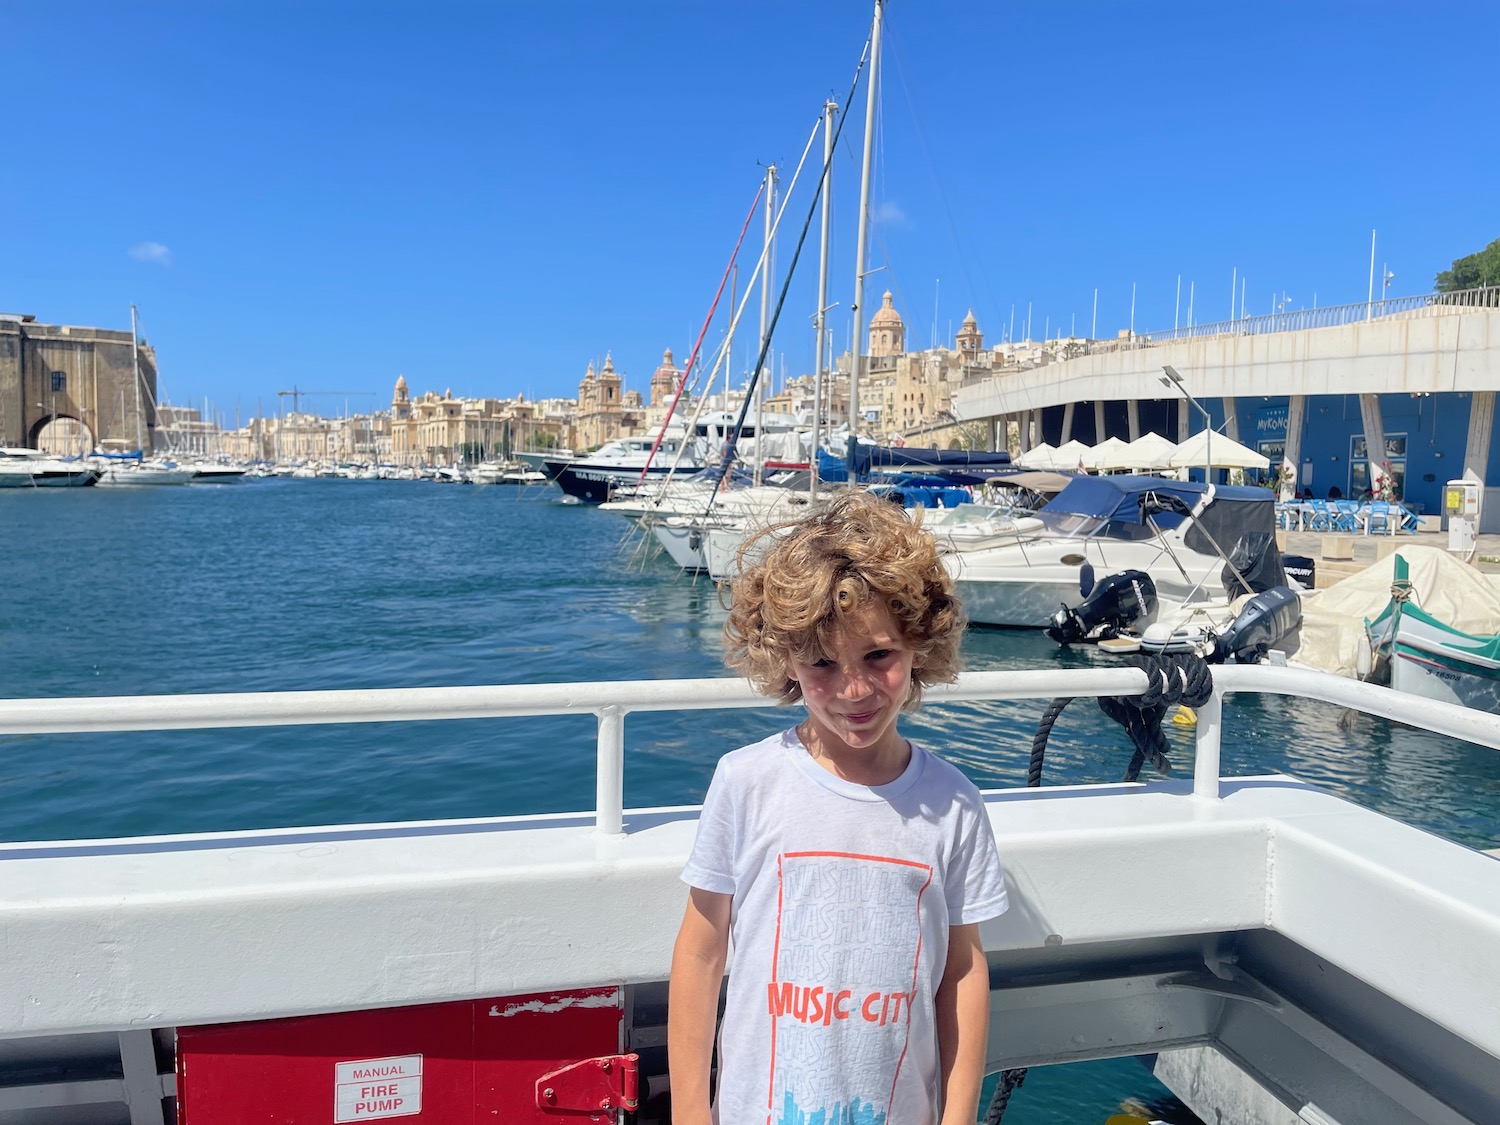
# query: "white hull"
683,543
145,477
1023,584
74,478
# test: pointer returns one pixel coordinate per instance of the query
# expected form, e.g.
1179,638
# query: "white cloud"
889,212
153,252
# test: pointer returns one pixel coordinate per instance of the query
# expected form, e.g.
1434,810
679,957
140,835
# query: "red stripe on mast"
702,332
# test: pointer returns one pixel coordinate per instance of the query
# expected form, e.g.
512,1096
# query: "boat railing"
611,701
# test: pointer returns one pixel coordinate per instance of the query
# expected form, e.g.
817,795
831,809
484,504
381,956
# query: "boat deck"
1339,958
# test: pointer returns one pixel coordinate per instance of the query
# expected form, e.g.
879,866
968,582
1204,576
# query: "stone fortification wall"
61,371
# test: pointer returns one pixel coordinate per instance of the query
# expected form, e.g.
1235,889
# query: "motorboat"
34,468
543,461
215,472
1280,952
626,461
137,472
1196,541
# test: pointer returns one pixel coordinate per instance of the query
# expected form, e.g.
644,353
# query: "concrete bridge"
1415,377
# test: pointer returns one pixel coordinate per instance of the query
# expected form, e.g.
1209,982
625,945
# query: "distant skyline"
490,196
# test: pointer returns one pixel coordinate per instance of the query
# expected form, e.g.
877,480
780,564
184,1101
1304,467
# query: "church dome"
886,315
970,324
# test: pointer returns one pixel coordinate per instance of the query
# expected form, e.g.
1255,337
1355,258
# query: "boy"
851,867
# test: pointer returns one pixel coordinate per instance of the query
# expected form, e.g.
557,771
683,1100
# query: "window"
59,382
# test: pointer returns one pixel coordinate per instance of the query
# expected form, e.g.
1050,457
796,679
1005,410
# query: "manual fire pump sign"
533,1058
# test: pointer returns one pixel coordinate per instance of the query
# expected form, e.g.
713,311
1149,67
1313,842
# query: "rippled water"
293,584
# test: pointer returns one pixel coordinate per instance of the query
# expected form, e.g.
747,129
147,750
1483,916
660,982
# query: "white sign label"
371,1089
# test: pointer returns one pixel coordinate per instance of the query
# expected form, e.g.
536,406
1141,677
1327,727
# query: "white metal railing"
1329,316
611,701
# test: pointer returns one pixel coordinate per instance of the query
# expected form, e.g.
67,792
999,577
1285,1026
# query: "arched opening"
61,434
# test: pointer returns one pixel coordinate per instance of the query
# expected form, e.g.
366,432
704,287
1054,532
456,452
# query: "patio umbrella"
1226,453
1147,452
1039,457
1071,455
1104,456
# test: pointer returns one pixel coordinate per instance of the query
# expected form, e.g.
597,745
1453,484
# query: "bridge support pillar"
1481,424
1133,414
1023,430
1098,420
1067,425
1038,437
1231,419
1184,421
1369,412
996,434
1296,409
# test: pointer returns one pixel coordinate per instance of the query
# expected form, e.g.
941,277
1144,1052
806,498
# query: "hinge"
591,1086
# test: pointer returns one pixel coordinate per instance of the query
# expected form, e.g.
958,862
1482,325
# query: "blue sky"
488,196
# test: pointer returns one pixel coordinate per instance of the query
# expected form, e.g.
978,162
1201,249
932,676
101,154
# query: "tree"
1479,268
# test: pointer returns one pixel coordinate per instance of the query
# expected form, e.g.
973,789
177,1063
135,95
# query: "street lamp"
1172,379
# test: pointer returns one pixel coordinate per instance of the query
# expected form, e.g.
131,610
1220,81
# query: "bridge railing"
1331,316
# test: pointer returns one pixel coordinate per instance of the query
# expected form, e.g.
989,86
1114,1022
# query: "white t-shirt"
843,897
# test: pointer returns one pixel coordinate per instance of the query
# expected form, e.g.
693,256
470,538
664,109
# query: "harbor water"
288,584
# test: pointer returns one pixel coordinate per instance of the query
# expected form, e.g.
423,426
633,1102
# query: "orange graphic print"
845,967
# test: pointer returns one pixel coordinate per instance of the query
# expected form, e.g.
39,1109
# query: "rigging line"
765,344
937,182
749,289
713,308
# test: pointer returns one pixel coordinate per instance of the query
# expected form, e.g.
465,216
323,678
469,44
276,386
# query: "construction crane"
297,394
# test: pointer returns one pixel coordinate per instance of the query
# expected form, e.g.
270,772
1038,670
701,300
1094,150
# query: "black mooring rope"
1178,678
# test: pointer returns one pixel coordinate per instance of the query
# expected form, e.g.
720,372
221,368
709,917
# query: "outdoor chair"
1321,518
1346,516
1379,518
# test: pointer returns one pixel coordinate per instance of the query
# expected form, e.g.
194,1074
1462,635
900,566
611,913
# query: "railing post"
1206,762
609,781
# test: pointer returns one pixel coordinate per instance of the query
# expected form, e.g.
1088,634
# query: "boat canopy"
1238,525
958,466
1121,498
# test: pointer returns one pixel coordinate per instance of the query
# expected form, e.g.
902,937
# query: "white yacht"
627,461
1186,536
138,473
33,468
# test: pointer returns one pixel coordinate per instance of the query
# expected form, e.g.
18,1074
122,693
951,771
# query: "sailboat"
133,468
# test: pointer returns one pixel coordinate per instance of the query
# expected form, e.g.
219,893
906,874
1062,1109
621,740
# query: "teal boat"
1427,657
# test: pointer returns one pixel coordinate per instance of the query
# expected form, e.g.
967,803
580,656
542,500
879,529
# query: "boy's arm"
693,1002
963,1024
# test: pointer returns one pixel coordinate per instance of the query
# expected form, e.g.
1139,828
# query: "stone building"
442,430
664,381
887,330
81,380
604,412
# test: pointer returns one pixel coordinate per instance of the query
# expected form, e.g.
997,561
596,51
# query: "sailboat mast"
765,316
861,244
135,366
829,108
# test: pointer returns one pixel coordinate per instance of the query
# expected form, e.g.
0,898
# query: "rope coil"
1173,679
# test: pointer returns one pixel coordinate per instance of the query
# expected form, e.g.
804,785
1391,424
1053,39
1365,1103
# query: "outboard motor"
1266,618
1116,602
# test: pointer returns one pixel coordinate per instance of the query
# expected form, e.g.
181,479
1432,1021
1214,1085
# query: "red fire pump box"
545,1057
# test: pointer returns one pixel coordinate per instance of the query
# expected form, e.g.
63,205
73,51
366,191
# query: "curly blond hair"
800,580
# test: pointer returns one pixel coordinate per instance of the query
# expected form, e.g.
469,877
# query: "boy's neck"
873,765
